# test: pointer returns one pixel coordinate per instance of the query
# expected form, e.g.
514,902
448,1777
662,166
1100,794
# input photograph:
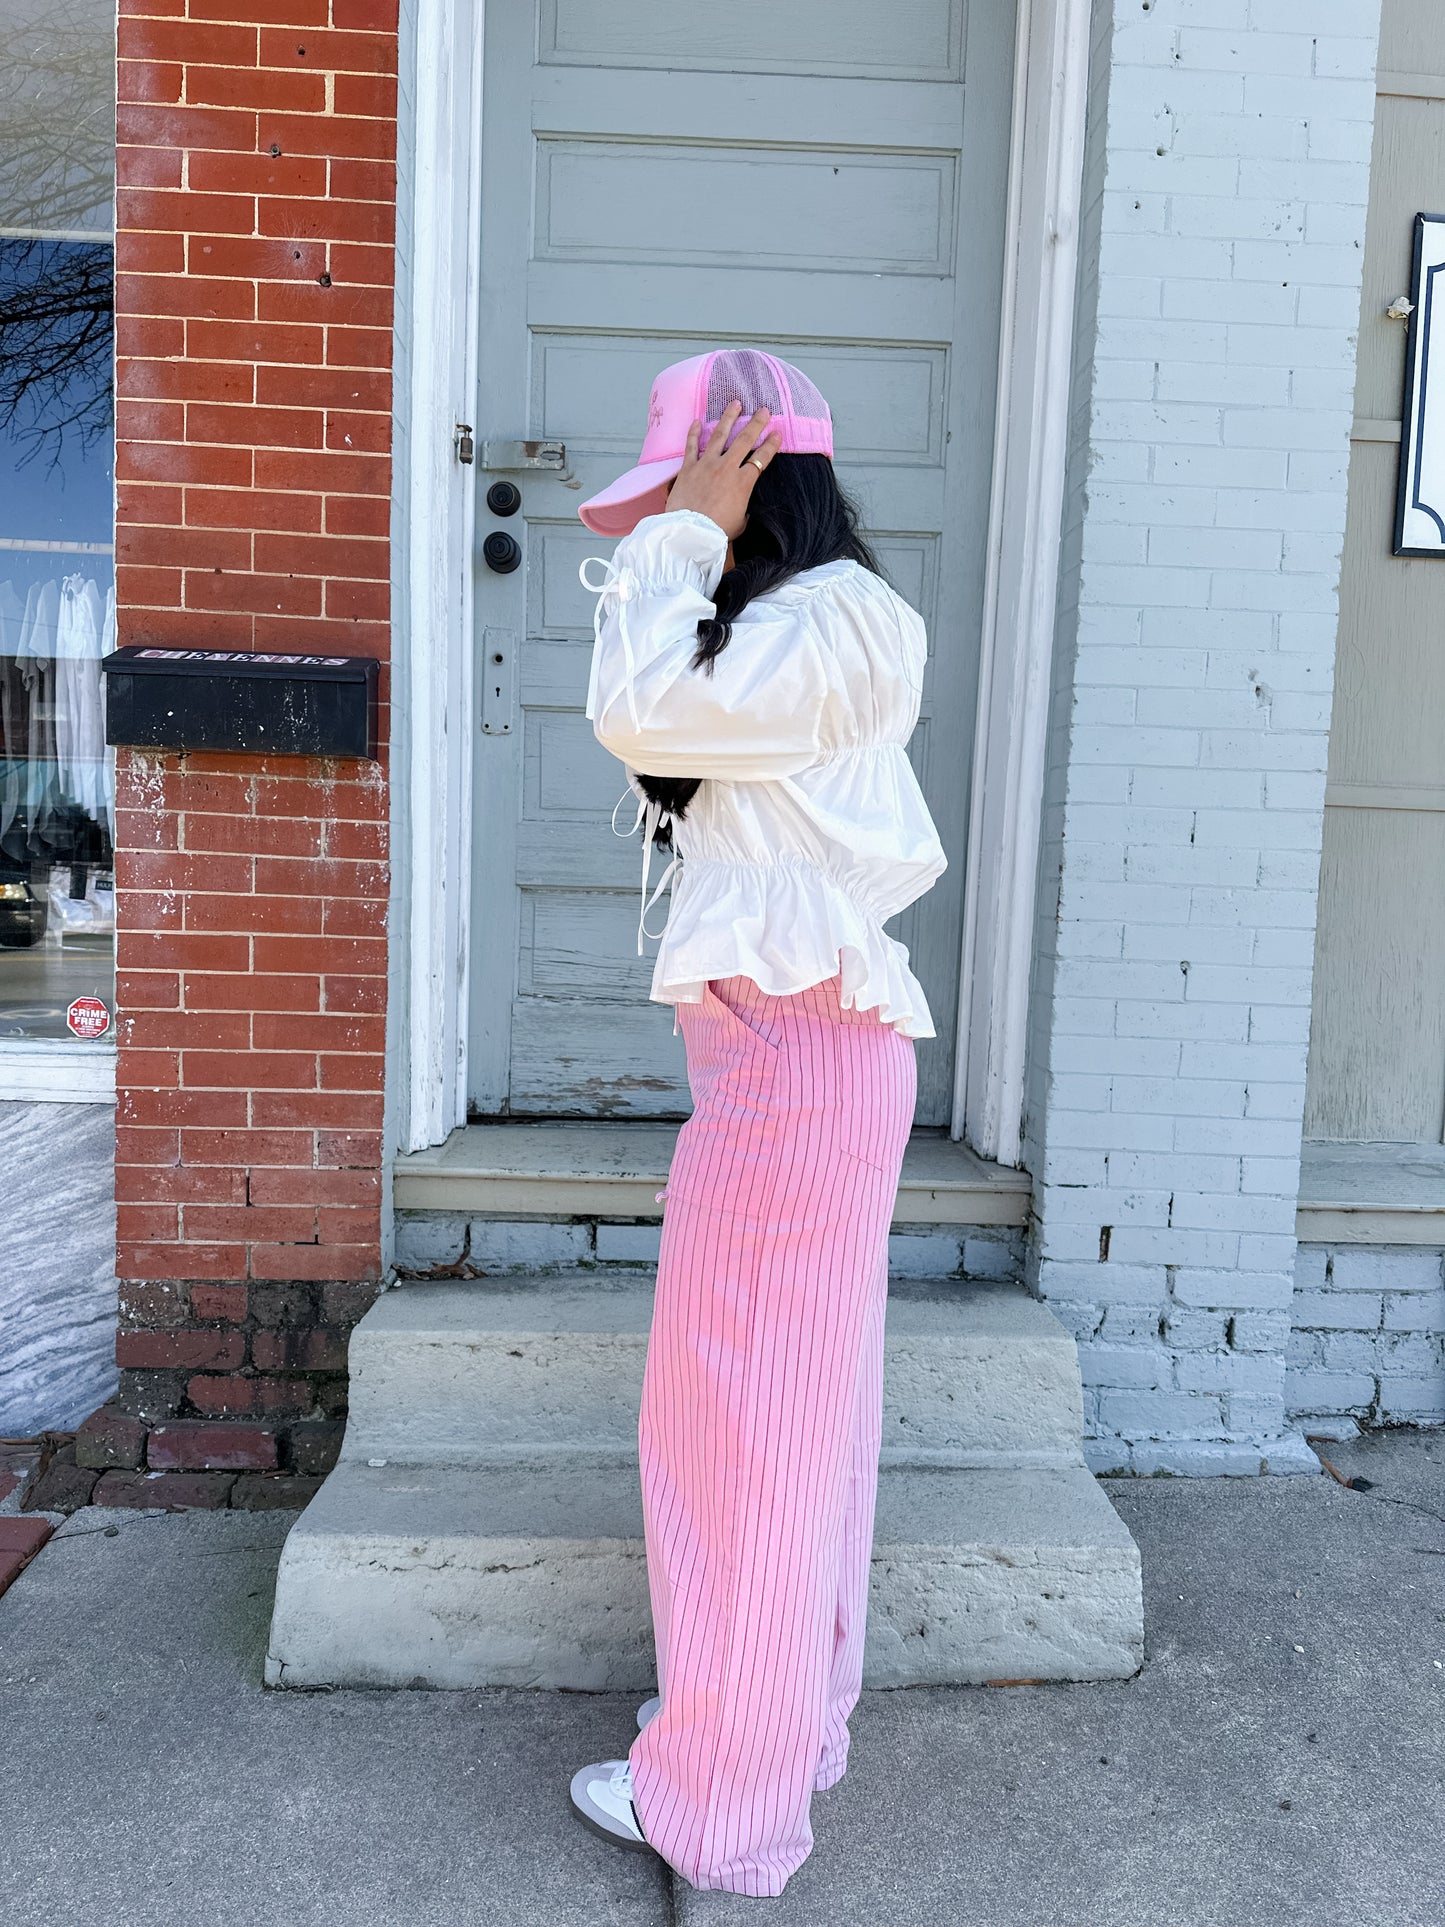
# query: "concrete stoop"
484,1525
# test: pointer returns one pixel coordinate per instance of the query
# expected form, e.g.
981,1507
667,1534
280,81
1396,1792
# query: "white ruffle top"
809,829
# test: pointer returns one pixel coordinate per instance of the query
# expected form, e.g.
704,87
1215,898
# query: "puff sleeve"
764,708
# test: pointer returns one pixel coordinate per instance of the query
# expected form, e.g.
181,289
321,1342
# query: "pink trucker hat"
699,390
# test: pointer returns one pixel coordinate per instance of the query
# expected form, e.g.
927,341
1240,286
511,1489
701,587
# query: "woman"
760,680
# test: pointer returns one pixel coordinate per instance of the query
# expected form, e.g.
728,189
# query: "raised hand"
717,479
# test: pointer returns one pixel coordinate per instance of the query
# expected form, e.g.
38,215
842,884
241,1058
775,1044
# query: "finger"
761,456
750,435
689,453
766,450
747,435
717,441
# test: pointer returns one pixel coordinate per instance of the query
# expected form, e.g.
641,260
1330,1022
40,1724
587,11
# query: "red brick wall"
251,983
254,267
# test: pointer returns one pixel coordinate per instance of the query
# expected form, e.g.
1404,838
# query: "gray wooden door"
1377,1037
823,177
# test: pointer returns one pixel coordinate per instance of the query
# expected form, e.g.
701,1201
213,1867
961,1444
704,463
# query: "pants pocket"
876,1091
743,1021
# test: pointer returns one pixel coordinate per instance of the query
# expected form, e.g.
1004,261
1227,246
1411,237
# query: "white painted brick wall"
1369,1335
1225,196
426,1240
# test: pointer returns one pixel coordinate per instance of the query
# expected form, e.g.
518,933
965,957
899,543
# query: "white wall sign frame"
1420,495
432,678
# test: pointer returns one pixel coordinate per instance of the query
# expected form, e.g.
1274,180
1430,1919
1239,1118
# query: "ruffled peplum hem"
786,927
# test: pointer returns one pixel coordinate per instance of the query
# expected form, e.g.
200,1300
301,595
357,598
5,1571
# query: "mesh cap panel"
805,397
757,380
744,375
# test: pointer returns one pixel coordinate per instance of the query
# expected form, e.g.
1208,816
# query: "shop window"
57,576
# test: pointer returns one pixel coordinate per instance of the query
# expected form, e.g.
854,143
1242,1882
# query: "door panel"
914,39
614,202
887,403
660,179
1377,1067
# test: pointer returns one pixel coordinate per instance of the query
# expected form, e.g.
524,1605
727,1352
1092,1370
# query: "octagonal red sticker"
88,1017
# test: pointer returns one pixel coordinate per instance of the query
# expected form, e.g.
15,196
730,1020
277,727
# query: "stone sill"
1363,1194
57,1070
615,1170
1371,1194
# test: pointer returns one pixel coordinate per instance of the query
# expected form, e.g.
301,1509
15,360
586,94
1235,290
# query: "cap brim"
619,507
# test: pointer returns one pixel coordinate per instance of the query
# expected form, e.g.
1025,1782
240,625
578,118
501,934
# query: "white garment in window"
36,660
79,718
14,708
107,784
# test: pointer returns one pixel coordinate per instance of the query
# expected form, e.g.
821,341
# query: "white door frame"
438,275
1036,345
433,514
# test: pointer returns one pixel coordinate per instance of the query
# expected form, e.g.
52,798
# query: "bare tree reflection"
57,172
55,343
57,117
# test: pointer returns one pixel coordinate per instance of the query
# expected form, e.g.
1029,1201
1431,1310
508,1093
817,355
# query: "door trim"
434,380
1036,346
439,263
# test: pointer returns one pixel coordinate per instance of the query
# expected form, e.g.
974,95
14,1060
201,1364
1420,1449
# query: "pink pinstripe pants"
761,1418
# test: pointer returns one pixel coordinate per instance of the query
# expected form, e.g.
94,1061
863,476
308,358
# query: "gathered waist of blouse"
697,866
699,874
882,872
785,925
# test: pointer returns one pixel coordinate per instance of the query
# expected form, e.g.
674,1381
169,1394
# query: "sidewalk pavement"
1279,1761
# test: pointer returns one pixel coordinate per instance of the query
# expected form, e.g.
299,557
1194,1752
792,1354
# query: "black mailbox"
231,699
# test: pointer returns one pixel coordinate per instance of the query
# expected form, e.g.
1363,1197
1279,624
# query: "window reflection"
56,413
57,117
57,594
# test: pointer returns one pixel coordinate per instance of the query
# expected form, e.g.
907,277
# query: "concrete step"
533,1574
465,1373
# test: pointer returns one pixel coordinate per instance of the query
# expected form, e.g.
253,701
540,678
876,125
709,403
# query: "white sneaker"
602,1801
648,1710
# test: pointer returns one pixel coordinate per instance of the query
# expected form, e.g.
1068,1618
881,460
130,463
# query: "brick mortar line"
205,571
323,116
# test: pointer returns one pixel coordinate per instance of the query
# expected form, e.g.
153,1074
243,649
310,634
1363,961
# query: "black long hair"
798,518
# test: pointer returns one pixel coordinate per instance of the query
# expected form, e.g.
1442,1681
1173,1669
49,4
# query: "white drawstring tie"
622,583
649,819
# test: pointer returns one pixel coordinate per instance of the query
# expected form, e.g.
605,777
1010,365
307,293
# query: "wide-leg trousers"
760,1423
